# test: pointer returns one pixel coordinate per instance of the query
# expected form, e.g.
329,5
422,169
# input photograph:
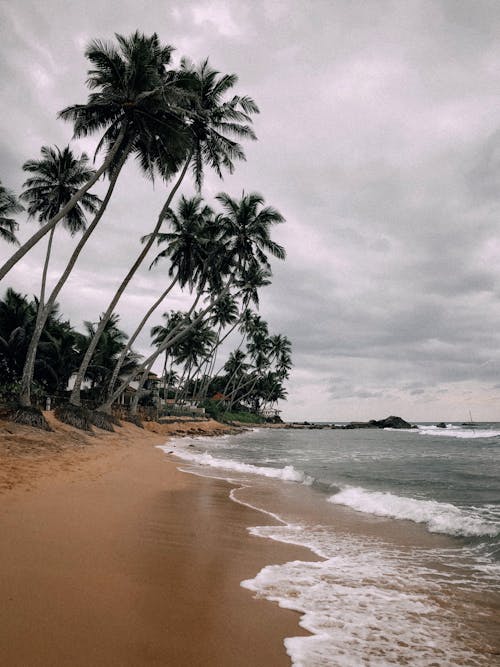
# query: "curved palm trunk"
174,337
242,385
29,364
169,342
133,337
134,404
75,398
19,254
46,268
214,358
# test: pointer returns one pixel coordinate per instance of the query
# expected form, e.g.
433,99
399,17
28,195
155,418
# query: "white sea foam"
366,604
454,431
286,474
438,517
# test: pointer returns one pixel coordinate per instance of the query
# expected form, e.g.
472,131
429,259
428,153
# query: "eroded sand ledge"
111,557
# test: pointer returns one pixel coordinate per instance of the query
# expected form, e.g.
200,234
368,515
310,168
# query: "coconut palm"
130,102
8,206
225,313
17,317
188,248
102,363
55,180
212,122
245,236
246,228
216,122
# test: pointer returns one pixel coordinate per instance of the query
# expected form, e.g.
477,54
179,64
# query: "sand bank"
110,556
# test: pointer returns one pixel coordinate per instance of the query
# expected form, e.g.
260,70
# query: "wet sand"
110,556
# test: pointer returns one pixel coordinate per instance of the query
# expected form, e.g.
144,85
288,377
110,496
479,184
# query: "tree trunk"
45,269
75,398
134,404
169,342
19,254
131,340
29,364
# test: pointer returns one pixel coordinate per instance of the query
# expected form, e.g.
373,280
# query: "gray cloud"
378,141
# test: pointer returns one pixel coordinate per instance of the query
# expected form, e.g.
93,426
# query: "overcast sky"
379,141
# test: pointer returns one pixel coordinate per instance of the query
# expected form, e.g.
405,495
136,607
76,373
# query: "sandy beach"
111,556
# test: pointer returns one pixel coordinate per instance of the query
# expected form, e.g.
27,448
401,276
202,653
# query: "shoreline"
115,557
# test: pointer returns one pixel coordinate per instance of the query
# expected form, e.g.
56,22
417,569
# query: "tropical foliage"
174,122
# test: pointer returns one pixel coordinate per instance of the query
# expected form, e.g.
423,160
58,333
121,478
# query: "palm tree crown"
214,121
246,230
55,179
132,91
188,242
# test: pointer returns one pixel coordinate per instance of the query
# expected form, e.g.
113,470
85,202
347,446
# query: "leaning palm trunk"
177,334
135,400
216,347
170,341
241,385
133,337
75,398
39,315
46,268
19,254
29,365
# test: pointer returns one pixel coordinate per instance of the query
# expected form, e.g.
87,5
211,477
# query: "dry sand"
109,556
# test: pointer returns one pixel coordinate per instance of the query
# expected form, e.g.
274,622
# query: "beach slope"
111,556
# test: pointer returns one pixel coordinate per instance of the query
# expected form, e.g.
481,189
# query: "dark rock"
393,422
441,425
388,422
370,424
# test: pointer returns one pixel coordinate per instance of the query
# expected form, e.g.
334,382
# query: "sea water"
405,526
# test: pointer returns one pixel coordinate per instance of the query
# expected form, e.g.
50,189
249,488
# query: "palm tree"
246,228
17,316
131,91
211,122
224,313
214,120
8,206
159,334
244,234
102,363
55,180
188,248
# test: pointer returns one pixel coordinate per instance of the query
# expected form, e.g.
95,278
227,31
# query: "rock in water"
393,422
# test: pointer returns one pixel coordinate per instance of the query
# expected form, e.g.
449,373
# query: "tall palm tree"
55,180
8,206
188,248
215,120
245,236
225,313
130,102
246,228
212,122
110,346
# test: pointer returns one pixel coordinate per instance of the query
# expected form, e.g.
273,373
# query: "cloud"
379,142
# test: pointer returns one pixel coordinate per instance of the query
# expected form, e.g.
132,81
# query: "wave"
286,474
454,431
438,517
366,603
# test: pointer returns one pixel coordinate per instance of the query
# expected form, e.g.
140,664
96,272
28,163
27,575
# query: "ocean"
404,526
